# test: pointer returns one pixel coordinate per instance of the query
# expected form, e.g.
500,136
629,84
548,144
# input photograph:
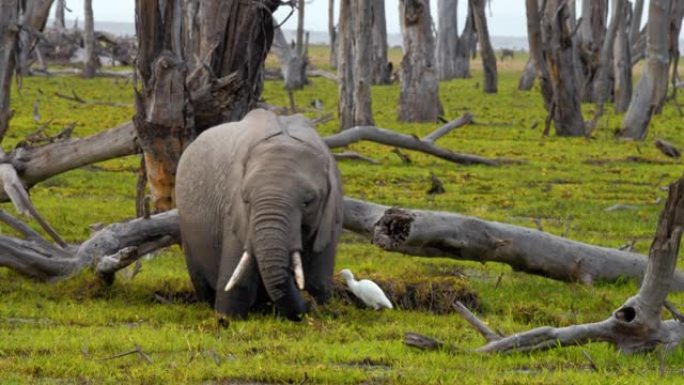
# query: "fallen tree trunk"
413,232
443,234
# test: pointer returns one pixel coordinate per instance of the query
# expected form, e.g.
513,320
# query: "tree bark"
419,95
529,74
602,83
465,44
9,31
486,51
292,65
232,39
652,85
622,63
591,35
382,69
635,23
354,63
565,106
33,18
59,23
332,33
363,56
447,38
537,49
345,65
90,65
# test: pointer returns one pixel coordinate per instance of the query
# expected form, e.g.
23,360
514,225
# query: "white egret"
367,291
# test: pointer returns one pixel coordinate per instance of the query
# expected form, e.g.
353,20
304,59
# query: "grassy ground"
71,331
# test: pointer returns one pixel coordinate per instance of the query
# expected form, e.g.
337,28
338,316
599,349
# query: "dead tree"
529,74
354,63
558,53
537,48
419,95
293,66
636,326
676,16
603,84
622,63
486,51
60,7
382,69
332,33
9,30
91,61
635,22
652,86
591,34
181,96
447,38
33,19
453,51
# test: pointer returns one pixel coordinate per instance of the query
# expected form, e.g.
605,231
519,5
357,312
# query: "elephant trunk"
272,243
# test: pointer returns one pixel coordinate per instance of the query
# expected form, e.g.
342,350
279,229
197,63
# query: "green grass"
70,331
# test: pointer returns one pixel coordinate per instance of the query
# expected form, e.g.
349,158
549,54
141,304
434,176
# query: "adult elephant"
260,205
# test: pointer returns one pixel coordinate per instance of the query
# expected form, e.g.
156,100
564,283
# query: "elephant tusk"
239,271
298,269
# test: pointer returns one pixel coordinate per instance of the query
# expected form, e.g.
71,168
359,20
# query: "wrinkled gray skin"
267,185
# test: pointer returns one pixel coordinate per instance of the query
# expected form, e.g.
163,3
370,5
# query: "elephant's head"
289,205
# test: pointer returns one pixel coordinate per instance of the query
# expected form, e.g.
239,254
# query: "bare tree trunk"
537,49
591,34
382,69
652,85
447,38
164,117
9,28
419,96
363,54
300,28
59,15
174,106
635,23
675,28
292,65
602,83
529,74
345,65
332,33
565,105
465,42
90,65
622,67
34,16
486,51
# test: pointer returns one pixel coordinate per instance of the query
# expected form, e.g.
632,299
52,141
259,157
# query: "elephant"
260,205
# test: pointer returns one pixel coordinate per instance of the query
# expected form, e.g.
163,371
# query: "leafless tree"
33,18
652,86
486,51
382,69
419,96
91,60
9,19
60,7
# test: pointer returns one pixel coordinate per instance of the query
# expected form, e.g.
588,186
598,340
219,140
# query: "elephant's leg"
203,289
319,271
240,298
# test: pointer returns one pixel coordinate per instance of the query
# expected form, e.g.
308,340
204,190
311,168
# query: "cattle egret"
367,291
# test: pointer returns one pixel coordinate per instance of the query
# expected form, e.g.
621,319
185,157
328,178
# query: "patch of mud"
433,294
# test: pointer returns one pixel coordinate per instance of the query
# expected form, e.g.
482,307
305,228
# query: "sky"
505,17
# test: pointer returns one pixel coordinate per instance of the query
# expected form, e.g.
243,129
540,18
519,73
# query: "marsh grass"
70,331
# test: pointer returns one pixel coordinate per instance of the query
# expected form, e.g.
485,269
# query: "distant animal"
260,207
367,291
505,52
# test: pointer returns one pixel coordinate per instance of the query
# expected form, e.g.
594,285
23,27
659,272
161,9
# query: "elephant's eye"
308,201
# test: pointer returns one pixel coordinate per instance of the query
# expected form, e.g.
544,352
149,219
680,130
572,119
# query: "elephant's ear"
332,210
